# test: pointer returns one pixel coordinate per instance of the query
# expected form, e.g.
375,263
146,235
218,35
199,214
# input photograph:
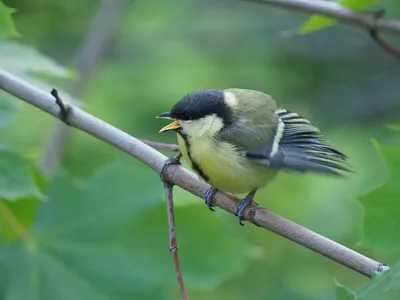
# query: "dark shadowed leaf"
108,239
210,252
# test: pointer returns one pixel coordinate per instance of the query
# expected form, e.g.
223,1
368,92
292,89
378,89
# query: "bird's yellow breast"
223,167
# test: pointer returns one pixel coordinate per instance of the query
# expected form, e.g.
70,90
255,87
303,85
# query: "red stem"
173,246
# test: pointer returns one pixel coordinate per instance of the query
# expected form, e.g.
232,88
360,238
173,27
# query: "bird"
238,140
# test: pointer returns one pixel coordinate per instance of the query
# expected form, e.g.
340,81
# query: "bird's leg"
174,160
208,197
239,212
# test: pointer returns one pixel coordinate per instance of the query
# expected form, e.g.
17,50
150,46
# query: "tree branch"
337,11
173,245
187,180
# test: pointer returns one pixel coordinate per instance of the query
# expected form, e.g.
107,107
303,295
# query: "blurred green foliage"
7,27
343,293
381,216
317,22
97,227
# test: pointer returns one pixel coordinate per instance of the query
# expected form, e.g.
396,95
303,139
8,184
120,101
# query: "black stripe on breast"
195,166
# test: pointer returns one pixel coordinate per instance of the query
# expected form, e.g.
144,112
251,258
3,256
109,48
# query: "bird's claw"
241,207
208,197
174,160
64,109
239,212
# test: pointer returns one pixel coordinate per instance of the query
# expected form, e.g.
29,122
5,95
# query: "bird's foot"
208,197
174,160
64,109
239,212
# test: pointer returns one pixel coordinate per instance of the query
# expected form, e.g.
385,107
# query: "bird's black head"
200,104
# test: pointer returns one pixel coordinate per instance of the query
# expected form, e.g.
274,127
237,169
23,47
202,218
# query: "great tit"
238,139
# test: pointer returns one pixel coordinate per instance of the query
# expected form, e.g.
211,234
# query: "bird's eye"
185,117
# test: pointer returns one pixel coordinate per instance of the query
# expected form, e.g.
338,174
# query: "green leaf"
24,211
35,68
16,177
386,286
317,22
33,62
8,108
108,239
7,27
209,251
395,127
382,206
343,293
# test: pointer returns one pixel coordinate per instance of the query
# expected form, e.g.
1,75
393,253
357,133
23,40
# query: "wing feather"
300,147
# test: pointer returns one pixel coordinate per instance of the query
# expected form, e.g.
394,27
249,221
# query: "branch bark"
337,11
187,180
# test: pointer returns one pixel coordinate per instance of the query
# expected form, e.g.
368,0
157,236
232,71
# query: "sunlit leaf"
16,177
382,206
24,210
394,127
7,27
317,22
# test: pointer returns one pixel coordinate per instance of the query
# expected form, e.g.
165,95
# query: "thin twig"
336,11
170,147
173,245
7,214
187,180
374,34
376,37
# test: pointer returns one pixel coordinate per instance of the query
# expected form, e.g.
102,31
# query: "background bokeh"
97,226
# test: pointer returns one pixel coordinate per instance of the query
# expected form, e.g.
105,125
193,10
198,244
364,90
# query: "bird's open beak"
172,126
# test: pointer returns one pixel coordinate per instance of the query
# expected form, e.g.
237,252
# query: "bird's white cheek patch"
209,125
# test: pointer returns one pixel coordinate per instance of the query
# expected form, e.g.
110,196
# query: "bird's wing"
299,146
295,145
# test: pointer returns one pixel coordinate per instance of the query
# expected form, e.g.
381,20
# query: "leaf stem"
7,214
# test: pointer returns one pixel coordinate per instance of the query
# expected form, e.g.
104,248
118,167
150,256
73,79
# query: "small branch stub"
64,109
376,37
